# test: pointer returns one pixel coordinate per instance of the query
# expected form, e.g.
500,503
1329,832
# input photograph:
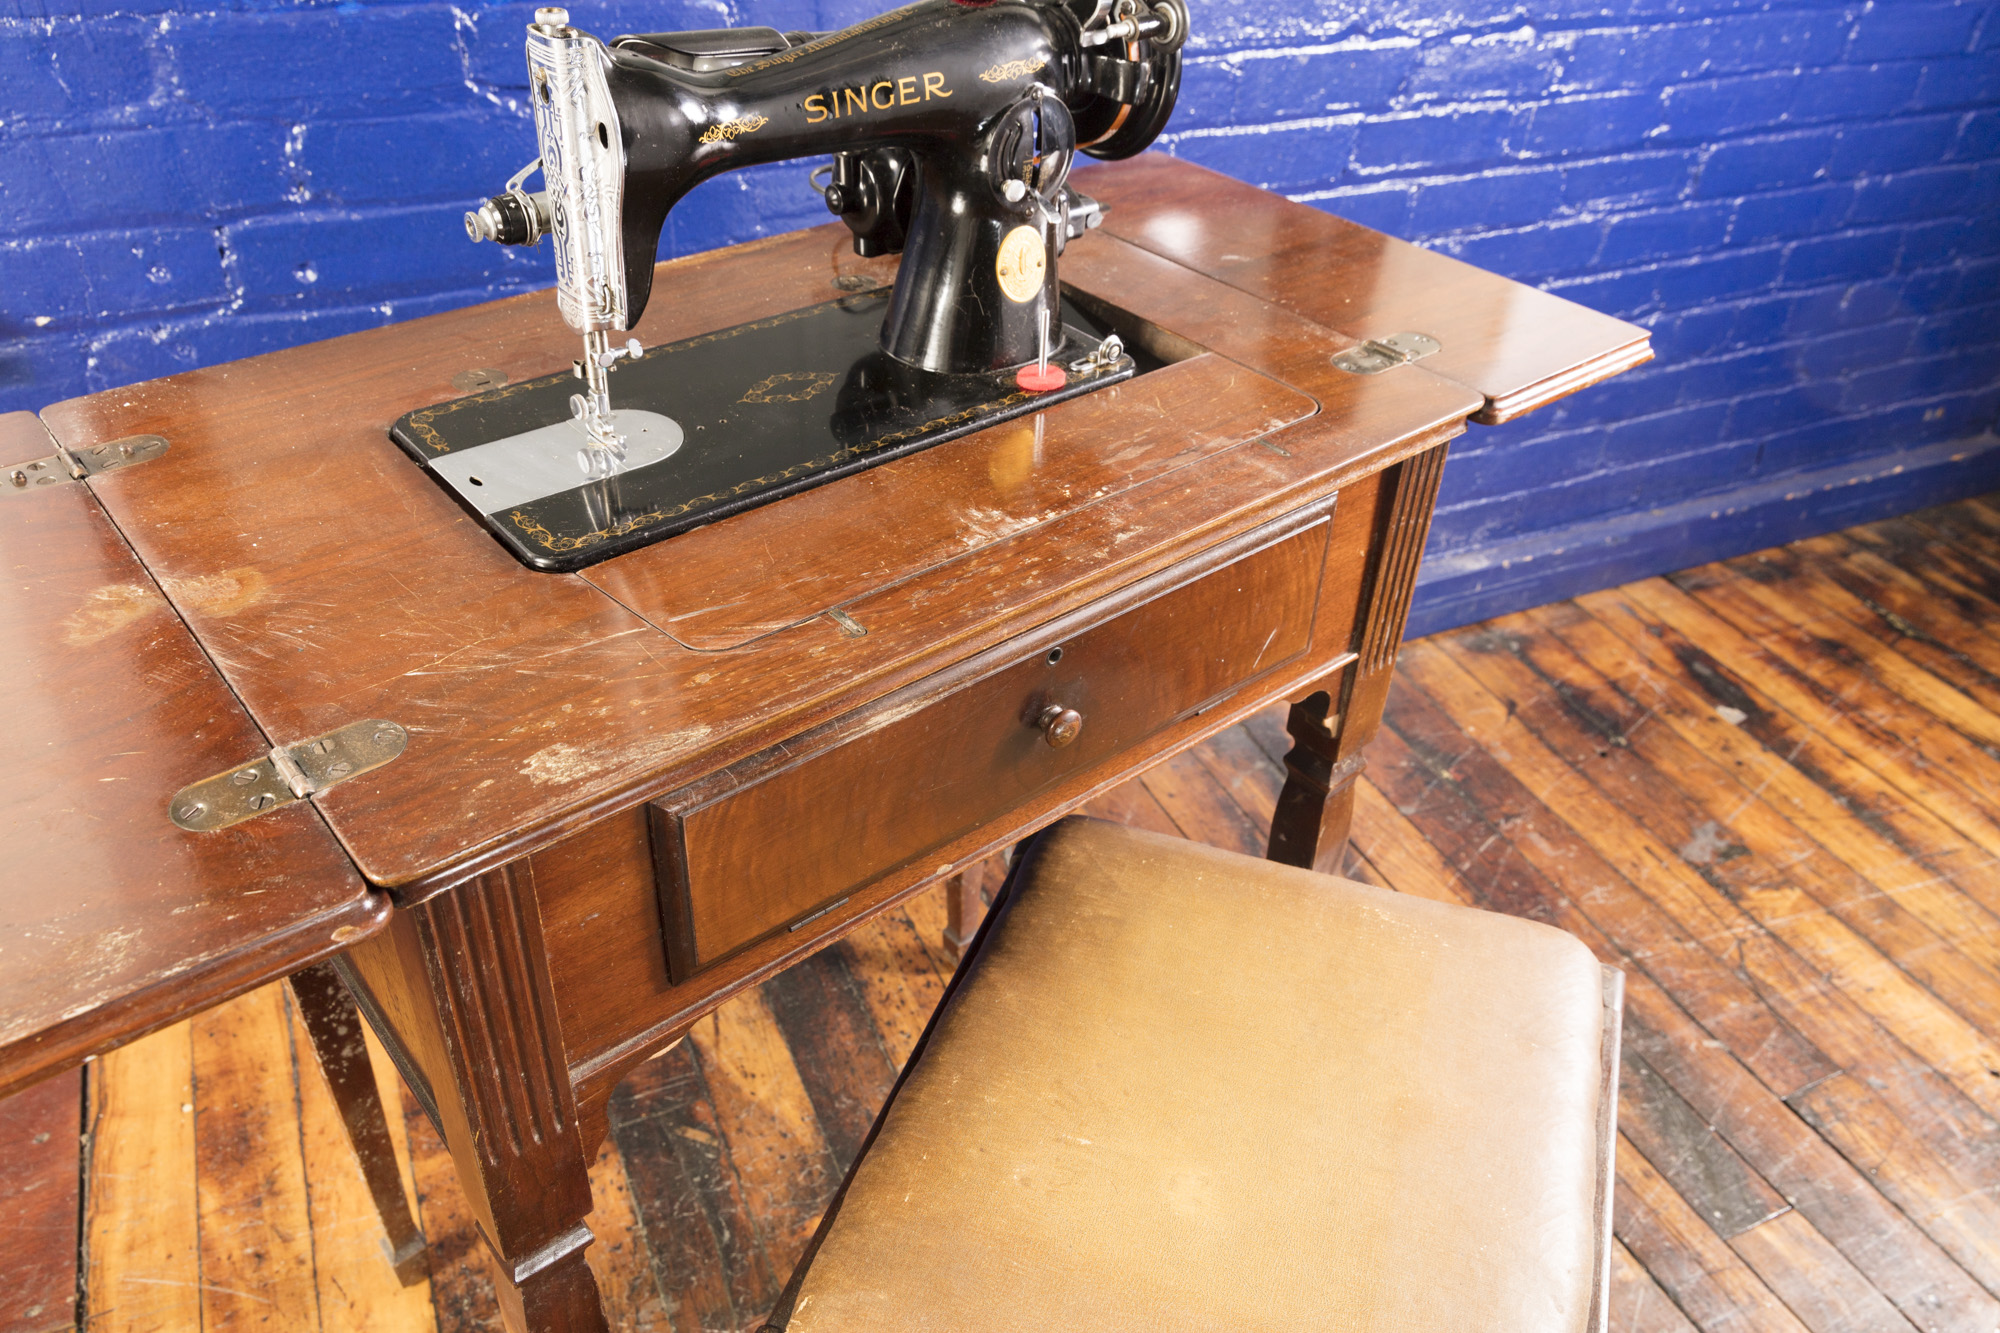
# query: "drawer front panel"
884,788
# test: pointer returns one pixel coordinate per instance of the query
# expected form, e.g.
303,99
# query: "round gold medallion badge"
1022,264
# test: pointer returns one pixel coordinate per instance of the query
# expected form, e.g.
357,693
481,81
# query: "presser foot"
603,454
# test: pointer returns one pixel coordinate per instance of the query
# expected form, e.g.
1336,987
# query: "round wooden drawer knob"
1059,725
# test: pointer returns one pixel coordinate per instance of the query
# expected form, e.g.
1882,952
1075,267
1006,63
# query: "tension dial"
1029,148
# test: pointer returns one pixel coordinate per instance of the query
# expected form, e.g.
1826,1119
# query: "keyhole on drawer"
1055,656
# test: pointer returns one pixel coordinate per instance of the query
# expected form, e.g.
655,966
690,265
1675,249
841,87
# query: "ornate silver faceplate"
583,164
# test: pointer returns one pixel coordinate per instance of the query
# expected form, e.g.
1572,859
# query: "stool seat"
1178,1088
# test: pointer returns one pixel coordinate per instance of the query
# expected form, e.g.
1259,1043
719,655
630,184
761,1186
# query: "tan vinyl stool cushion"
1179,1088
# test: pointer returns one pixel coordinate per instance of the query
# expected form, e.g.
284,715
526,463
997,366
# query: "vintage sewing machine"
952,127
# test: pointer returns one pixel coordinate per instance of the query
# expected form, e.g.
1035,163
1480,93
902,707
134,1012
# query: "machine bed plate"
765,409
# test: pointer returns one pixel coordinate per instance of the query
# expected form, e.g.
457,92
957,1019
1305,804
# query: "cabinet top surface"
329,581
1519,347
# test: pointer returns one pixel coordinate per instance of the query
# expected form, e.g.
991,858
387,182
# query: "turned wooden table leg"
462,982
965,907
1333,725
1310,825
334,1025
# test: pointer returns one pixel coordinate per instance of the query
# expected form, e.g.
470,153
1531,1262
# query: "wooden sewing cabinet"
631,792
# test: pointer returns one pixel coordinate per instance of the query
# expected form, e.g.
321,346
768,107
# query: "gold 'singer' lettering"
875,95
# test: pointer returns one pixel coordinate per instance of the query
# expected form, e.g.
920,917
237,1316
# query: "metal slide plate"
542,462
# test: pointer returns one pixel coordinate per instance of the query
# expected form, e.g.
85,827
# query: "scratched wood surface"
538,703
112,920
1762,787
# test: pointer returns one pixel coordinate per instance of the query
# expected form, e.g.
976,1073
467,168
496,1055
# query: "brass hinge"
289,773
1380,354
76,464
25,477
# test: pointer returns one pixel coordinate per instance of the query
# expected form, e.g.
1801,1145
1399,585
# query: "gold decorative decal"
420,424
812,48
1022,264
791,386
729,129
561,545
1013,69
881,95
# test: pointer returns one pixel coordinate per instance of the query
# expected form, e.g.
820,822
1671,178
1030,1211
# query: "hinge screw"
245,778
262,800
19,478
190,811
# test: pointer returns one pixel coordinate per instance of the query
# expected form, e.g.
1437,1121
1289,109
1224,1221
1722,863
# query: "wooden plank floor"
1766,788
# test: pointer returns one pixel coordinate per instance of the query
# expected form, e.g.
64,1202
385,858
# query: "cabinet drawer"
787,834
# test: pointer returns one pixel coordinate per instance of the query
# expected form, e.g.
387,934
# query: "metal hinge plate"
289,773
25,477
114,454
75,465
1380,354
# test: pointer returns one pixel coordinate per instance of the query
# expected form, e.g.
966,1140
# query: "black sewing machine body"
950,85
953,127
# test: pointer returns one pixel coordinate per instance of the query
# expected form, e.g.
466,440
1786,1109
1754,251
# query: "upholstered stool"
1177,1088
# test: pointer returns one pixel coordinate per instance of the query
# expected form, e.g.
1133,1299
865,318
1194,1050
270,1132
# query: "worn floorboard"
1765,788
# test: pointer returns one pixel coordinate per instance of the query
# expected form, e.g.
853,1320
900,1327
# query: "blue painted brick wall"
1801,201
